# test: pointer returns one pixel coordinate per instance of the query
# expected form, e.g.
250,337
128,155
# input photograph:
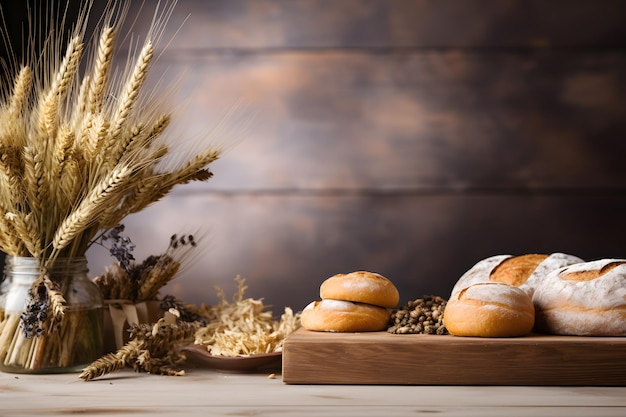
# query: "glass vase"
68,347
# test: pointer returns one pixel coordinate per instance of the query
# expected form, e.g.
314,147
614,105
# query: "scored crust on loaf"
526,270
478,273
516,270
585,299
551,263
588,275
606,291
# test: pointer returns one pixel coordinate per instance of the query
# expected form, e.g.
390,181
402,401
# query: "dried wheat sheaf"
80,149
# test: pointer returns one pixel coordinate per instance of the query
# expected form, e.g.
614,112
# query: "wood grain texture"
446,120
383,358
205,392
277,24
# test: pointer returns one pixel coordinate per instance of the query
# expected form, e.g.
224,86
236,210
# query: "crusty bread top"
526,270
361,287
497,295
591,274
516,269
599,284
478,273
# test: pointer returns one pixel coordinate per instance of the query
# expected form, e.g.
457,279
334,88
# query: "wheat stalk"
113,361
86,211
102,67
21,90
59,87
130,93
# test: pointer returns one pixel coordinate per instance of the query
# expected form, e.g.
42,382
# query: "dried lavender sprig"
121,246
36,312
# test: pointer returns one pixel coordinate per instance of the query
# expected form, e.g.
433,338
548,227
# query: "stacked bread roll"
495,297
354,302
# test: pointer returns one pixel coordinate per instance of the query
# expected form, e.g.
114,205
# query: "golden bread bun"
524,271
344,316
361,287
490,310
586,299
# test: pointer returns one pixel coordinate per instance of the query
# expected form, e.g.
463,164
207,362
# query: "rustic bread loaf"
584,299
490,309
344,316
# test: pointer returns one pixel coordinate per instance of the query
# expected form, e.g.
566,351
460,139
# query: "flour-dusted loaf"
584,299
524,271
490,309
344,316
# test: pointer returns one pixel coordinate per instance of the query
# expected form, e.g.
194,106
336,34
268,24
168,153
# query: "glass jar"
70,346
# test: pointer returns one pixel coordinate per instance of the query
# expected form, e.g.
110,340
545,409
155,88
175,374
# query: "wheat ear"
145,191
11,171
113,361
192,170
33,177
130,94
140,143
158,276
27,231
21,90
9,240
57,304
59,87
86,211
101,70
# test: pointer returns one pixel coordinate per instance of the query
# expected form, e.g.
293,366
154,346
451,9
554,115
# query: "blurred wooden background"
411,138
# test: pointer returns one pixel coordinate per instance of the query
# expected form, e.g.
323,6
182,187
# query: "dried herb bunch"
138,282
153,348
82,144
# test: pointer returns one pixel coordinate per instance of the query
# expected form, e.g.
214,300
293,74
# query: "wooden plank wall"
411,138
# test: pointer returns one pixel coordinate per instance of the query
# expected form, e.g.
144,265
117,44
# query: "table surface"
203,392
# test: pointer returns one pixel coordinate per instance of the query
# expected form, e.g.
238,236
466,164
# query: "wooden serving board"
417,359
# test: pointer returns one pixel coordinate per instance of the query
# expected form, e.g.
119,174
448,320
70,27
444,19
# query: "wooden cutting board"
416,359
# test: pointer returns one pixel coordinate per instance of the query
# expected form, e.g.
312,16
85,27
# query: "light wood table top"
205,392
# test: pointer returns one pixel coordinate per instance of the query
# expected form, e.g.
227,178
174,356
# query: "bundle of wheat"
82,149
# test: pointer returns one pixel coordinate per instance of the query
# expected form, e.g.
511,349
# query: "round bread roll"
524,271
344,316
491,309
585,299
361,287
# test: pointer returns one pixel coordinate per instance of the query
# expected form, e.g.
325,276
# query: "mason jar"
28,344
